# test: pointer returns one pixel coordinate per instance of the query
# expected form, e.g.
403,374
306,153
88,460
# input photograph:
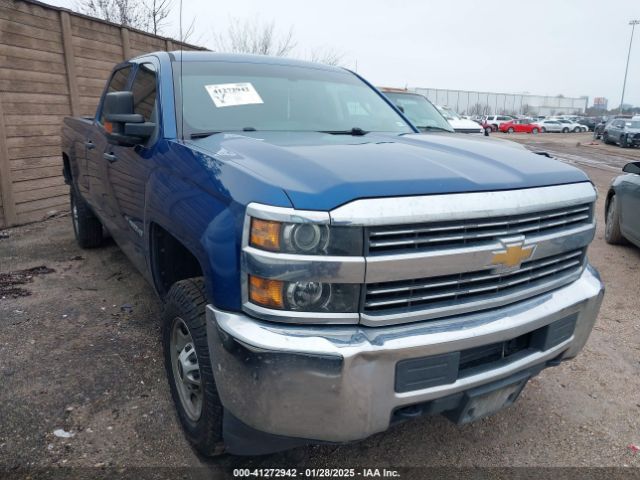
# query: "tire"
612,233
605,138
494,127
534,131
565,130
188,366
510,130
623,141
86,226
543,130
577,130
487,131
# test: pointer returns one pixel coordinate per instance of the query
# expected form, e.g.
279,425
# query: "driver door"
126,170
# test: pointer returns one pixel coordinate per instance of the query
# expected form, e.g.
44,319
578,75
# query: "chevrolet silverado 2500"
326,270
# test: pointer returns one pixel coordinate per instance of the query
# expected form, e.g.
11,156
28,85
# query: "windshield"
230,96
633,124
419,110
448,113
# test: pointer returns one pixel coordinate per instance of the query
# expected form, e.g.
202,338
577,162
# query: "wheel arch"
171,260
66,169
607,202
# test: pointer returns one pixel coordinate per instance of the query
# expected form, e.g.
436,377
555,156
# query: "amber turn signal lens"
265,234
108,126
267,293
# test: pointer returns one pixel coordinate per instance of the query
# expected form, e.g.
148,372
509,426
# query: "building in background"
600,103
487,103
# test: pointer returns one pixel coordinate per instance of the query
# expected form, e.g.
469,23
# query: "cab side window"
118,83
145,92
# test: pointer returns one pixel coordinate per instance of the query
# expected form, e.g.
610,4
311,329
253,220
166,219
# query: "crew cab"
327,270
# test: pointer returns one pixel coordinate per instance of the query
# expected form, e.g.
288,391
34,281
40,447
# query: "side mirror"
400,108
122,125
632,167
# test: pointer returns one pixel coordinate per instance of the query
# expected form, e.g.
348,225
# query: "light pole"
633,24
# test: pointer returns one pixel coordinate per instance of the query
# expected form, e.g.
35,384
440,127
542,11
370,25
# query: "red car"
519,126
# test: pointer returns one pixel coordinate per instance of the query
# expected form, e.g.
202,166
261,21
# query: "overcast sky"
548,47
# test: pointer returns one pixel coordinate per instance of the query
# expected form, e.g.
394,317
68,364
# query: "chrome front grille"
440,235
479,290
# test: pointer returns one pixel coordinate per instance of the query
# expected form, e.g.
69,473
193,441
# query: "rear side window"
118,83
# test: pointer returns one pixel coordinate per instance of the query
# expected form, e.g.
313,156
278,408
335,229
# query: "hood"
320,171
464,124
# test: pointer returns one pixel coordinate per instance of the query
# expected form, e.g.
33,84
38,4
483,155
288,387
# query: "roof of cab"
200,56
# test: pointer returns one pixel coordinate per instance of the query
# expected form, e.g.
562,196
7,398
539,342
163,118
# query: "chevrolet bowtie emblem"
513,255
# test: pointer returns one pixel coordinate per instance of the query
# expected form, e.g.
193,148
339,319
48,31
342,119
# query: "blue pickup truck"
326,269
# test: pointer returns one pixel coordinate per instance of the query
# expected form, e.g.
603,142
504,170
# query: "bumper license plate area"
488,399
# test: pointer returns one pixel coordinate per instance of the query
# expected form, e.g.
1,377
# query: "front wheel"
534,131
188,366
623,141
86,226
543,130
612,233
605,138
565,130
510,130
494,127
577,129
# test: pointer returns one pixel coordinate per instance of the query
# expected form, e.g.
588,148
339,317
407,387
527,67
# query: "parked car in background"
551,126
625,133
459,124
519,126
418,109
483,123
496,120
589,122
599,128
571,126
622,207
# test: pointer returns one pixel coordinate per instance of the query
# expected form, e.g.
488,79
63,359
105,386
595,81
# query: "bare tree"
158,11
130,13
253,36
476,109
326,55
186,34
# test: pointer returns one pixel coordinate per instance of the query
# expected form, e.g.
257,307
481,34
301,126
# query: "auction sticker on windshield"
233,94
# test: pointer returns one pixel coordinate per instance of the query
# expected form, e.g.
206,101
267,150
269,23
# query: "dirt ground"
80,351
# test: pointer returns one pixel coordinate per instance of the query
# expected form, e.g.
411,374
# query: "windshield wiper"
202,134
434,129
208,134
355,131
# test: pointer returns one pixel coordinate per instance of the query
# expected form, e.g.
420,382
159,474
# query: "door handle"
89,144
110,157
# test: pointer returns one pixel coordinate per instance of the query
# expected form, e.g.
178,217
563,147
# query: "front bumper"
338,383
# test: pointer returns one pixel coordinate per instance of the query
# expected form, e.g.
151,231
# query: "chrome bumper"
336,383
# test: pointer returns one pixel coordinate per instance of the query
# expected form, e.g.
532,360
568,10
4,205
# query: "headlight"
305,238
305,296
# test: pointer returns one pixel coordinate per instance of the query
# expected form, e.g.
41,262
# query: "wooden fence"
53,63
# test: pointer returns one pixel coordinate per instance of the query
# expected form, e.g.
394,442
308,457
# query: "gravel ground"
80,351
